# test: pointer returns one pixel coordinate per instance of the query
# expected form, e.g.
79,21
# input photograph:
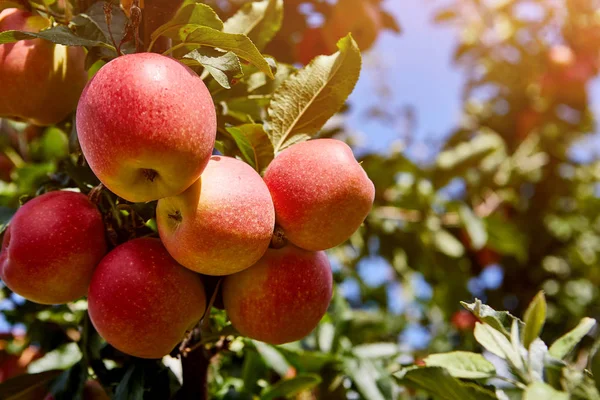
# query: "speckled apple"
223,223
321,194
51,248
147,125
41,82
282,297
142,301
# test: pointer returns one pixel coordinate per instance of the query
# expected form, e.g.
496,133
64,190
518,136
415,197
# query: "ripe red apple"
282,297
141,301
321,194
360,17
51,248
312,45
41,82
147,126
223,223
463,320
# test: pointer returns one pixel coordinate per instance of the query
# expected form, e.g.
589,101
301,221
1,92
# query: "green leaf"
53,145
566,343
254,144
364,375
93,25
474,226
446,243
464,156
376,350
536,357
438,382
579,384
497,343
291,387
187,18
272,357
541,390
62,358
69,384
462,364
28,386
534,318
499,320
59,35
506,238
305,101
239,44
259,20
308,361
131,386
252,370
222,66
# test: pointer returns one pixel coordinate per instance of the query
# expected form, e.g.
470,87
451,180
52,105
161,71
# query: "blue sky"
417,66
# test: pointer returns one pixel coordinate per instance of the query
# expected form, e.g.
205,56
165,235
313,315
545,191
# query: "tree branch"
195,366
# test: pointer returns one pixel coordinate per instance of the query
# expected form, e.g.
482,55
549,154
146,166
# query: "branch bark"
195,366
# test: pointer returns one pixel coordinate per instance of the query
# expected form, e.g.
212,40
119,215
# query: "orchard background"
476,122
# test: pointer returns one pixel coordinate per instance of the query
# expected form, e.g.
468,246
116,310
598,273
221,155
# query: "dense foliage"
506,212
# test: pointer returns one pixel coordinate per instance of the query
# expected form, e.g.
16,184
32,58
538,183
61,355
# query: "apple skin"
147,125
51,248
223,223
142,301
360,17
312,45
32,90
282,297
321,194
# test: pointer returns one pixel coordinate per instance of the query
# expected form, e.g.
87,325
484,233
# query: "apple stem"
94,194
176,216
278,240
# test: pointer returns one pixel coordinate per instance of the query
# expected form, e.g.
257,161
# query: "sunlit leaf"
462,364
305,101
259,20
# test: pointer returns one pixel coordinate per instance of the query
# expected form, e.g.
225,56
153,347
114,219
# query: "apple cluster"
147,127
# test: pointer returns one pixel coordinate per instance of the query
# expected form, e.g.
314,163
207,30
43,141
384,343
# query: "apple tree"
183,219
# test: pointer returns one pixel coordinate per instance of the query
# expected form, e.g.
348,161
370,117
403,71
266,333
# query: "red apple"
321,194
147,126
223,223
312,45
362,18
41,82
463,320
142,301
51,248
282,297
